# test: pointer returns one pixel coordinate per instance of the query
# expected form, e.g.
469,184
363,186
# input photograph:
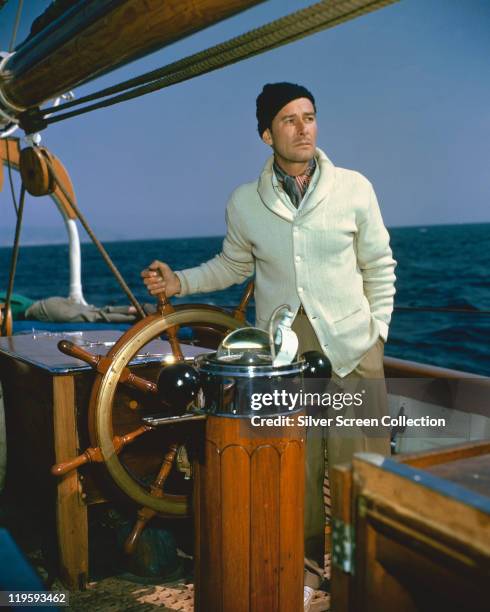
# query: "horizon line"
85,240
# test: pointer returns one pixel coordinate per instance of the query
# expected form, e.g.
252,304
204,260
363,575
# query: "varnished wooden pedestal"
249,490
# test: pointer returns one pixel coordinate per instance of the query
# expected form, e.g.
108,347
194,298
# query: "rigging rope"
282,31
13,262
98,244
11,180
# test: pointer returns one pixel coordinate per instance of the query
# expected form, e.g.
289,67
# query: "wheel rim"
121,354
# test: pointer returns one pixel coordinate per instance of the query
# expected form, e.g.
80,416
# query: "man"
314,236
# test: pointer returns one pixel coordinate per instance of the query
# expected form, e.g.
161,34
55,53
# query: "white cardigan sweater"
332,255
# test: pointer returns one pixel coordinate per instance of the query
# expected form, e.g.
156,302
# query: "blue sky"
403,96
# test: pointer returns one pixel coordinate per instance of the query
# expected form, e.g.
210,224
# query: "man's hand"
160,278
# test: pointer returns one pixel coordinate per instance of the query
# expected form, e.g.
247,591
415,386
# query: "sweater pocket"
340,321
355,334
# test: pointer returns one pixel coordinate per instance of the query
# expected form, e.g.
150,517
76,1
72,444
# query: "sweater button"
300,289
297,258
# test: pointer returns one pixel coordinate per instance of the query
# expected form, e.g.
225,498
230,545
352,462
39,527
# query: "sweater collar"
320,188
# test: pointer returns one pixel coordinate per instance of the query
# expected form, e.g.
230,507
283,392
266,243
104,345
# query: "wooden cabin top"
40,349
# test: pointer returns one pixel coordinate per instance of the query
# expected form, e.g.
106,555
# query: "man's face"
293,132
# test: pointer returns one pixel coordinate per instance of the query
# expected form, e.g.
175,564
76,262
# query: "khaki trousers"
340,444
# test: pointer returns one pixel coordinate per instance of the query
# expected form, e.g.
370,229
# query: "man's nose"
300,126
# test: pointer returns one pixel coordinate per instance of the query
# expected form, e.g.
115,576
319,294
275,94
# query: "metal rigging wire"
16,26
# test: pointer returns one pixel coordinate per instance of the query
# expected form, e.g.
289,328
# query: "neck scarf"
295,186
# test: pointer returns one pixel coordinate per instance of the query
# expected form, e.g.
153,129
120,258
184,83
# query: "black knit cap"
275,96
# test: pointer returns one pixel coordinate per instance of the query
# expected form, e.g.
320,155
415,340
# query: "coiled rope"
295,26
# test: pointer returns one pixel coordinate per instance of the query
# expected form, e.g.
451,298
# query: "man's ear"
267,137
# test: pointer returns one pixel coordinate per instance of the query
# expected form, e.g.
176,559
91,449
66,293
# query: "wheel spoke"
165,308
102,364
94,455
145,514
240,311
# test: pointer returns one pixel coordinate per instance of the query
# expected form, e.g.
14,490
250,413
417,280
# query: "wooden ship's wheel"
248,488
114,425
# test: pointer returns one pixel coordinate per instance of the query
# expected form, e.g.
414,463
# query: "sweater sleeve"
233,265
376,263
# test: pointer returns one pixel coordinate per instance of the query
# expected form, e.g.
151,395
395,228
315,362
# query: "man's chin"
304,157
303,152
297,156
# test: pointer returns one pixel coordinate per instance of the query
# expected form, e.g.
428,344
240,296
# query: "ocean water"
438,267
